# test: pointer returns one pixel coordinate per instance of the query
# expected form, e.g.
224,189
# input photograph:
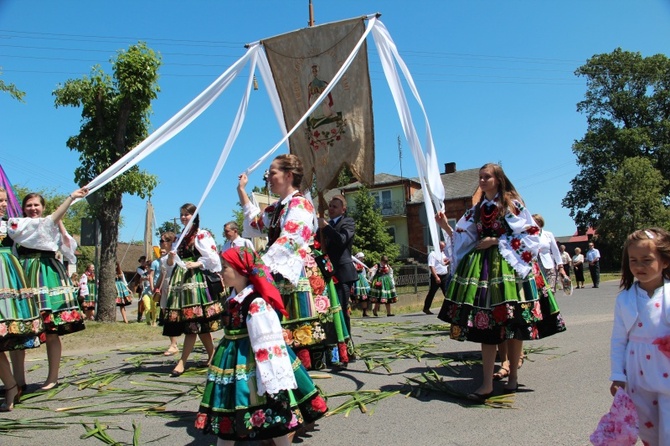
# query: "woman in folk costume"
382,286
88,289
494,294
193,306
123,295
37,239
20,322
256,387
311,301
361,289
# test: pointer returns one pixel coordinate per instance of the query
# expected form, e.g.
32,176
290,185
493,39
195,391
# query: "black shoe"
479,397
427,311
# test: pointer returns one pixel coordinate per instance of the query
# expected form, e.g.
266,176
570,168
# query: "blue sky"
496,78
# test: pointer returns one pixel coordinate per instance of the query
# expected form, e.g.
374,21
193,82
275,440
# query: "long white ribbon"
174,125
232,137
426,163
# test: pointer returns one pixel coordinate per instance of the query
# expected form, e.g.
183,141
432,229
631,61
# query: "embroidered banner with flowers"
340,131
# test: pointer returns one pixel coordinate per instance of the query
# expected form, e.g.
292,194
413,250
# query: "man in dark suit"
338,236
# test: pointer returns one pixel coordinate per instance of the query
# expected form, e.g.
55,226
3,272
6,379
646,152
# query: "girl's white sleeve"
285,256
204,243
523,245
618,342
465,237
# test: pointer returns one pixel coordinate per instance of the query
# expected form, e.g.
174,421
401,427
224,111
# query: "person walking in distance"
439,276
593,257
231,231
578,266
338,236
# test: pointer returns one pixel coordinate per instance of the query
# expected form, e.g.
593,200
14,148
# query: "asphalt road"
563,392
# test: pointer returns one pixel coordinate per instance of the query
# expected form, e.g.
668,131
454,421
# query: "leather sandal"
503,372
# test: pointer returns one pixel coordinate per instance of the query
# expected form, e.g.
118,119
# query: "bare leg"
19,366
11,388
54,351
488,363
173,349
189,342
284,440
206,339
514,350
388,309
123,314
503,371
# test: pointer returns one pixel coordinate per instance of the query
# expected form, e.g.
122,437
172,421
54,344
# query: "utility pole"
310,23
400,155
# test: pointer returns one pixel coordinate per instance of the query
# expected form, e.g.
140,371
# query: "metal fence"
411,277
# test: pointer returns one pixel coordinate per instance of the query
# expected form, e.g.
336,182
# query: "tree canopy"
12,90
627,107
371,237
115,114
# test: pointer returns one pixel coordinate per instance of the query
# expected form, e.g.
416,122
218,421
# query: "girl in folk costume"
123,295
494,294
166,241
361,289
640,345
20,322
310,299
256,388
382,286
88,290
37,240
193,306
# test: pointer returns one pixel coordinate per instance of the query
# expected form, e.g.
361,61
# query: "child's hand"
615,386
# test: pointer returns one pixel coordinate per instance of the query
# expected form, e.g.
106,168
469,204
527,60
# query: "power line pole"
400,155
310,23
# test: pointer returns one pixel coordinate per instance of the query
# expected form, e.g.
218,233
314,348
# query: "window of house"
391,232
383,201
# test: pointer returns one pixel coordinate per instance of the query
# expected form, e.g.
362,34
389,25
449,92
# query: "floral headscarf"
248,263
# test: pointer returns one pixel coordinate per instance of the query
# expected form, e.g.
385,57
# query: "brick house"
401,203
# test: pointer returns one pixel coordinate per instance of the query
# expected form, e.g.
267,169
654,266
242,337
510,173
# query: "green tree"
168,226
371,237
115,118
631,198
12,90
627,106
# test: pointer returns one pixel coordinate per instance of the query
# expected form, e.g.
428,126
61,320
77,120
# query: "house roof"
380,179
459,184
577,238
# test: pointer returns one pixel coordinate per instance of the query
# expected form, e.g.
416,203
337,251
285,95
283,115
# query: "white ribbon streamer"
426,164
232,137
173,126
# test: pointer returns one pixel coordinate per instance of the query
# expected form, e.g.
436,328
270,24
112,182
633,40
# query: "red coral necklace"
487,216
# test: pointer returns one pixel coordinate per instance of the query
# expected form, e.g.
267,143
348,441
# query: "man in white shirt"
439,276
593,257
231,232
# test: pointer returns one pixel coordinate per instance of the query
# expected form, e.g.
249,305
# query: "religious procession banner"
340,131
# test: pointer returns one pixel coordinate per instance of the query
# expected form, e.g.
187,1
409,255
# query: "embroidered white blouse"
43,234
519,245
296,219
